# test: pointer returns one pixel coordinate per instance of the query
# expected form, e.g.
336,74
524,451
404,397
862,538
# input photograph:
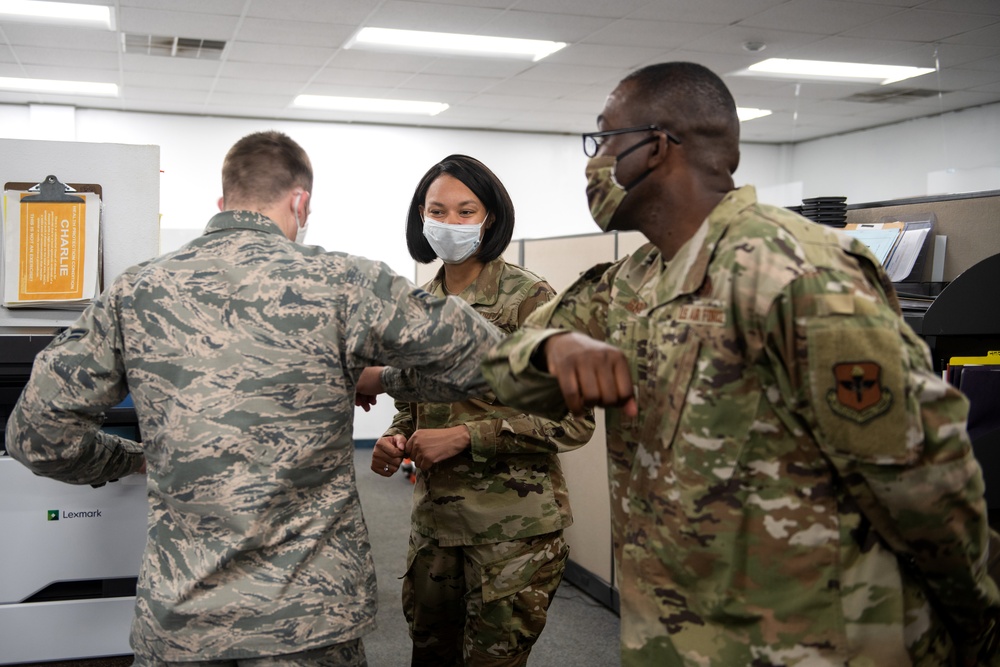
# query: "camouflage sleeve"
54,428
895,432
434,345
508,368
402,424
525,434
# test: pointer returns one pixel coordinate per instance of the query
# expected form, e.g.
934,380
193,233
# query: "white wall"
904,160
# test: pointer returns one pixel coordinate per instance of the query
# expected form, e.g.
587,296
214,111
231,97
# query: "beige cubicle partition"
561,261
971,223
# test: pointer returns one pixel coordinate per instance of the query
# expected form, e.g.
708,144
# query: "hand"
590,373
364,401
369,386
387,455
433,445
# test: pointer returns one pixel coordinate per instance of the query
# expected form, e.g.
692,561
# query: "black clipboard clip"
51,190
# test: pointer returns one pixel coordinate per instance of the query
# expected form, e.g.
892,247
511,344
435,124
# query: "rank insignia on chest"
859,394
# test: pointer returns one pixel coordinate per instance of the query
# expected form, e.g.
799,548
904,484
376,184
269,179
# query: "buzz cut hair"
261,167
694,104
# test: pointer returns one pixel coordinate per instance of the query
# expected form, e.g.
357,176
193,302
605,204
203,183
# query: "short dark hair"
693,103
263,166
485,185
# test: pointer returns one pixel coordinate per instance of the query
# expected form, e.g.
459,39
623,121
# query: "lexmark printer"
71,553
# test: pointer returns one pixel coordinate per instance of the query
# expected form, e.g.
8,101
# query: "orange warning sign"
53,244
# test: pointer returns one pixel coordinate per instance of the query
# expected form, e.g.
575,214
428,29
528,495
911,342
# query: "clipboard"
79,274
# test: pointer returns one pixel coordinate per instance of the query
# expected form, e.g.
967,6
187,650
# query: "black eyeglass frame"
593,137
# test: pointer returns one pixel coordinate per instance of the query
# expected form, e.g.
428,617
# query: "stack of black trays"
830,211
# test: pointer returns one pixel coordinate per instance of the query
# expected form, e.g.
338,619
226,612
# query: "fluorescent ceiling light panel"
56,87
97,16
448,42
373,104
832,71
749,113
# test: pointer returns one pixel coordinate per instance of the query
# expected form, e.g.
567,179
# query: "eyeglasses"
592,140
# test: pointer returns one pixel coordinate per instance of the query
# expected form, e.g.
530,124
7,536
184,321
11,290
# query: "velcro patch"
857,386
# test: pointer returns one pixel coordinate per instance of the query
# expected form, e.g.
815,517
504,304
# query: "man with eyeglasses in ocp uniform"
791,484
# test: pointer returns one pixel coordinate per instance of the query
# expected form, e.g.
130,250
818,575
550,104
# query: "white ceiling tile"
556,72
538,25
724,12
226,85
225,7
318,11
380,60
817,16
497,68
991,64
654,34
547,90
168,81
278,54
985,36
730,40
70,58
256,100
919,25
601,55
434,83
431,16
71,73
302,33
179,24
600,8
175,95
279,48
266,71
358,77
140,62
987,7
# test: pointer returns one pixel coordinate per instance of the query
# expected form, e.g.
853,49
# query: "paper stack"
51,250
899,244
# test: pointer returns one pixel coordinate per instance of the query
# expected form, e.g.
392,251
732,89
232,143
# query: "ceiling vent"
893,95
174,47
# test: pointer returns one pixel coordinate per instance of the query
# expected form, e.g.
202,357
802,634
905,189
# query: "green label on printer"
53,515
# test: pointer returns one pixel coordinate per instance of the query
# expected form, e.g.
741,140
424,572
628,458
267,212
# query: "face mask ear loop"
295,210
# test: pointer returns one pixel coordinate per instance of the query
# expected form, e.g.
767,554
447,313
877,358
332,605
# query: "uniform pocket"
516,593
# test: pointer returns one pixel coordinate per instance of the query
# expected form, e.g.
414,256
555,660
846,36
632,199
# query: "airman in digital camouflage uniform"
791,483
487,551
241,352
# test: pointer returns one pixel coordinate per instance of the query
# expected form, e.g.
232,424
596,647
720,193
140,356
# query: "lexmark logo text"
55,515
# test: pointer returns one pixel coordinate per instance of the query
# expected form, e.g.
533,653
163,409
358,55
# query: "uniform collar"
242,220
687,271
485,289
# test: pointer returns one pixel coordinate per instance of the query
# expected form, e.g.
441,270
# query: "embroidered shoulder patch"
859,394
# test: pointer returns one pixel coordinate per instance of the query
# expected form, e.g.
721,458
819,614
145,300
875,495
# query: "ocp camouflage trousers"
483,604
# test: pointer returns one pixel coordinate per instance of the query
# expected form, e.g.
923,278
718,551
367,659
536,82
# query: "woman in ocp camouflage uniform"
490,501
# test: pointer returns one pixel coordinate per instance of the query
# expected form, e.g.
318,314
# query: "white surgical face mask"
452,243
300,229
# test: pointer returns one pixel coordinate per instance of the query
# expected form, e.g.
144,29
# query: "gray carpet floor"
580,631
